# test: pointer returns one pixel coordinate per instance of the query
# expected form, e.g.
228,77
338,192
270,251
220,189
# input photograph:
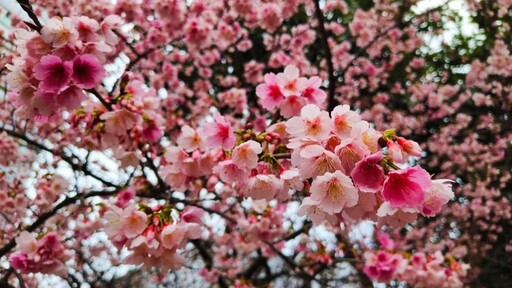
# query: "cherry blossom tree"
240,143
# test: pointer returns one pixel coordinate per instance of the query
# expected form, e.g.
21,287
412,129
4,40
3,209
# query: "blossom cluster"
274,143
289,92
151,234
44,255
351,176
418,269
54,67
343,156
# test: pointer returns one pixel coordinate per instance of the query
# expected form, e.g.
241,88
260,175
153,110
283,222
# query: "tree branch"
331,102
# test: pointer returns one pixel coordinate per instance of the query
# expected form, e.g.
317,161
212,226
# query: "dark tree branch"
27,7
331,100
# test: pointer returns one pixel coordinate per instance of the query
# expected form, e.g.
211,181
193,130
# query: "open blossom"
406,187
270,93
59,32
220,133
343,119
70,98
175,236
315,160
119,121
191,139
263,187
333,192
368,175
245,155
53,72
291,106
290,82
27,244
440,193
312,91
350,151
87,71
312,123
229,172
127,223
133,221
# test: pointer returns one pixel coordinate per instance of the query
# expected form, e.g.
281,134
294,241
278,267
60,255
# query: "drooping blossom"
317,215
410,147
368,175
119,121
263,187
406,187
440,193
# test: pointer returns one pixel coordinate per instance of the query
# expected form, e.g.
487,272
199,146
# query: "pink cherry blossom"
317,215
220,133
314,160
382,266
118,122
87,71
27,244
245,155
59,32
263,187
312,123
396,152
173,236
334,191
440,193
343,119
410,147
350,151
406,187
70,98
53,73
229,172
291,106
290,82
312,91
133,222
191,139
270,93
368,175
